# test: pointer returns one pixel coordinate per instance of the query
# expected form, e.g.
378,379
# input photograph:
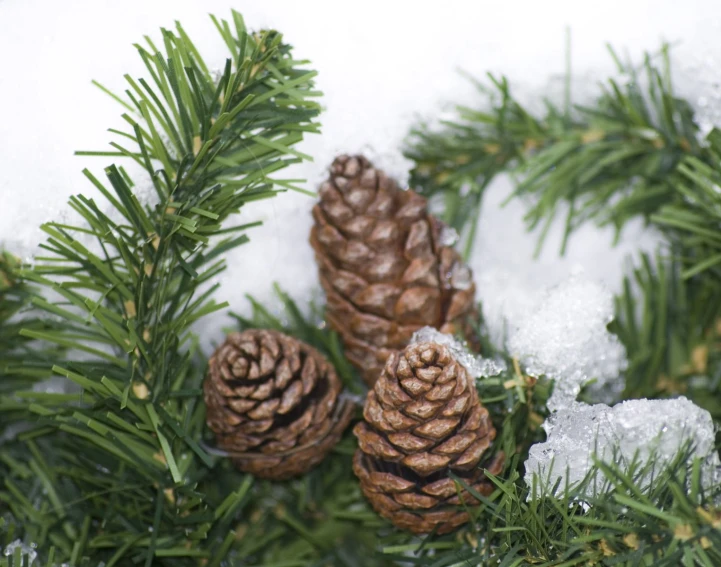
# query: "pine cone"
273,403
385,271
423,418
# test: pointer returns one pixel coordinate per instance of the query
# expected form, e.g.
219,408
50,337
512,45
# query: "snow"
648,430
509,281
25,550
564,337
381,67
476,365
448,237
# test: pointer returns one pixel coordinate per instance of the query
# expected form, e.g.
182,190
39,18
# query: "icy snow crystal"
565,338
26,550
448,237
644,429
477,366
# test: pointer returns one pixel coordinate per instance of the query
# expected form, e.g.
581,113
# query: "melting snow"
641,429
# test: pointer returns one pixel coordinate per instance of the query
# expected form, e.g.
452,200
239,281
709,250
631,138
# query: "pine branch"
693,219
623,525
669,325
634,153
203,129
609,162
117,473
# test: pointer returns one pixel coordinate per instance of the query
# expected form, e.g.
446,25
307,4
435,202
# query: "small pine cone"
423,419
273,403
383,265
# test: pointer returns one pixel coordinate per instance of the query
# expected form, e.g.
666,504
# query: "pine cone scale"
291,397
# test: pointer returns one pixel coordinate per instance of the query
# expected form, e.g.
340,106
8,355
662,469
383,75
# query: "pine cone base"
297,461
420,506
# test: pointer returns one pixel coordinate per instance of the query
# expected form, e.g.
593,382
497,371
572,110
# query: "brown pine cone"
423,419
272,402
383,266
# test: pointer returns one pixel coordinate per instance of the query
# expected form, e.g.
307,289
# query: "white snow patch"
476,365
640,429
565,338
506,300
370,103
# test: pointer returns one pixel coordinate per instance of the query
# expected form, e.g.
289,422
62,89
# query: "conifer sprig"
694,216
116,472
635,153
22,360
608,162
669,325
228,127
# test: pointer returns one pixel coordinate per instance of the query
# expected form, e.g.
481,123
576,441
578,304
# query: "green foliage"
672,337
674,340
667,524
634,153
693,217
226,132
669,314
607,162
114,470
22,360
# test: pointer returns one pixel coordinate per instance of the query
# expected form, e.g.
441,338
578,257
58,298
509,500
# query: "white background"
382,66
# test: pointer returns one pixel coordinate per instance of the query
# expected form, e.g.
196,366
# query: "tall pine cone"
385,271
272,402
423,419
